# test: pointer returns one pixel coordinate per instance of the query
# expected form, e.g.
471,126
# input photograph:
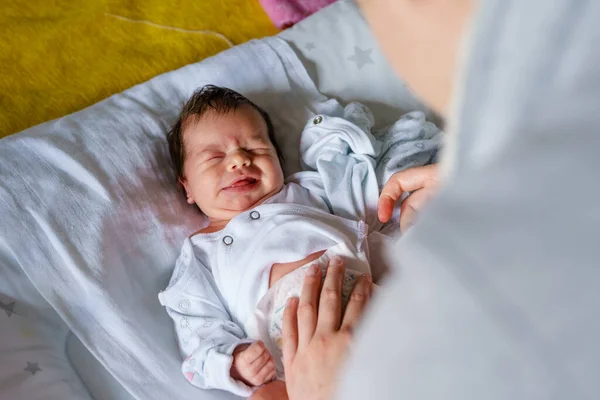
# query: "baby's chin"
243,204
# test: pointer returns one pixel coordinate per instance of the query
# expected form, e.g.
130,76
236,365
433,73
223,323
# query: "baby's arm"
410,142
217,353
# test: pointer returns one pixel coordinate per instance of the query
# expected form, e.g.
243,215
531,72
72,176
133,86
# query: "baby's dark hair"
209,98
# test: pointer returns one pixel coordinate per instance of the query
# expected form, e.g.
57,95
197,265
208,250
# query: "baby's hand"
252,364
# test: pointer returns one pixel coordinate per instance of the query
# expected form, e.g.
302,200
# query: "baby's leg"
271,391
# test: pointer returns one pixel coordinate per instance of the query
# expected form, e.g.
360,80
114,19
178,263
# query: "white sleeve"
206,334
344,155
353,164
412,141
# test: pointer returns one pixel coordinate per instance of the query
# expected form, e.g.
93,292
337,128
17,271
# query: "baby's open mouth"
243,182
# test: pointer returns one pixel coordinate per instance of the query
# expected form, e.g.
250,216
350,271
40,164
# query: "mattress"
92,221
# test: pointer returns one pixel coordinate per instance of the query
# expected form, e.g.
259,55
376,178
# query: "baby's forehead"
244,122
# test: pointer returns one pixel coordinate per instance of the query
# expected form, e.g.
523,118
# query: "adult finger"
307,307
404,181
356,304
290,331
330,303
412,205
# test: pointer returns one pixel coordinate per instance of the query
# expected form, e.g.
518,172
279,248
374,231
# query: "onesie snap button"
228,240
255,215
184,304
318,119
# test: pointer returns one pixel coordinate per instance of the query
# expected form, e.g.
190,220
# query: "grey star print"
361,57
310,46
9,308
32,368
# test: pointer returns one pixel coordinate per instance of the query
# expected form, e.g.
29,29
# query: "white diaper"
266,323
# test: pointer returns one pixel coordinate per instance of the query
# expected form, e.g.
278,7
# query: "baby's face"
230,163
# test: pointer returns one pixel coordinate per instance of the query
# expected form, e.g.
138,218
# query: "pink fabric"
285,13
189,376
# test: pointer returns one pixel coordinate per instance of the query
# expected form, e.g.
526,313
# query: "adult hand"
421,181
316,336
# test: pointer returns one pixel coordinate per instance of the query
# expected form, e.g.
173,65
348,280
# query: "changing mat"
91,219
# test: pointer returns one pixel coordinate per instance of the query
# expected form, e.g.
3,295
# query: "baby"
231,281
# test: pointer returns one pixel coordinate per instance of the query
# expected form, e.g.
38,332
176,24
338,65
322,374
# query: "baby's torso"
259,247
259,260
279,270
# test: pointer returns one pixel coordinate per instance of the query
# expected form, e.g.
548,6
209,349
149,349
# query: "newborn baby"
231,281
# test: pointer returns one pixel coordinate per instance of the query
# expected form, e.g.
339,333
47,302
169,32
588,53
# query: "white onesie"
218,296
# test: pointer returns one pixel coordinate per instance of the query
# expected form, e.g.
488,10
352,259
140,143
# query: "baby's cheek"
206,198
276,174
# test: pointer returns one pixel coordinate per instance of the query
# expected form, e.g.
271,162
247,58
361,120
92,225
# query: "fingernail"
336,260
312,270
366,277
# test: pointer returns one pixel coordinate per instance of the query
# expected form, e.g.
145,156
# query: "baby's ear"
186,189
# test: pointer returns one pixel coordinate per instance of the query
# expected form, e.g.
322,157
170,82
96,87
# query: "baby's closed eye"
261,150
212,156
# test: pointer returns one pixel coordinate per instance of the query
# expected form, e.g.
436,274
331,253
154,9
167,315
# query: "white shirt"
220,277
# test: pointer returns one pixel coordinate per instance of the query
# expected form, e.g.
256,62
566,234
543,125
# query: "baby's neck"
214,226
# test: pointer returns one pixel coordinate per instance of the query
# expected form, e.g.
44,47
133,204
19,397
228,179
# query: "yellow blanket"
58,56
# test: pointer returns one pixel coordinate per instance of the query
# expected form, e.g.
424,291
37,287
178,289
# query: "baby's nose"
240,159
